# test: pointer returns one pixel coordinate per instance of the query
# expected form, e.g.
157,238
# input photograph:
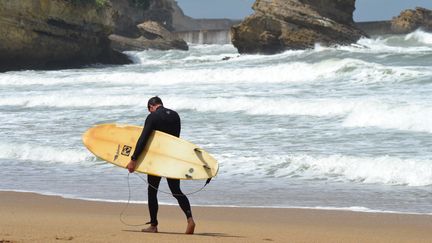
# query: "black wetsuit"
168,121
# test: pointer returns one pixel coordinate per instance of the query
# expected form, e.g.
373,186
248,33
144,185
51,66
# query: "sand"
28,217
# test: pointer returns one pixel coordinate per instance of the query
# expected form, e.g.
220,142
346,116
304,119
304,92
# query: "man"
168,121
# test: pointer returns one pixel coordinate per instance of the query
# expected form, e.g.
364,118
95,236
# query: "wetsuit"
168,121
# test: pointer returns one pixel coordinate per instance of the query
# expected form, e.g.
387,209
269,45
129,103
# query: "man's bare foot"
191,226
150,229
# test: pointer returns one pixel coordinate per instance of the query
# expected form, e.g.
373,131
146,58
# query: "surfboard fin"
197,150
207,167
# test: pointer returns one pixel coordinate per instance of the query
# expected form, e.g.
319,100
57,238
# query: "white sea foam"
385,170
72,100
47,154
290,72
266,106
178,76
357,112
413,43
421,36
409,117
381,45
252,106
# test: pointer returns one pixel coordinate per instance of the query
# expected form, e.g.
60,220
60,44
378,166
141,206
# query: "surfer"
168,121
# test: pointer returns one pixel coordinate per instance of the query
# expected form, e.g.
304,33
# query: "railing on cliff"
214,36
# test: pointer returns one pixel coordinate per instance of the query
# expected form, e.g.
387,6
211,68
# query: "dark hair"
154,101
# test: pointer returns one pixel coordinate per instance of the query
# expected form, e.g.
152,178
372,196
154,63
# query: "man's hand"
131,166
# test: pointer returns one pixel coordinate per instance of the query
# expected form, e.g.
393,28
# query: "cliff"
278,25
46,34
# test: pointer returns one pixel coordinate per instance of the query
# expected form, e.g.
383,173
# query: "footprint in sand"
63,238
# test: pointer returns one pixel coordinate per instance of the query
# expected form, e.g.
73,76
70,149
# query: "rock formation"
130,15
153,36
45,34
410,20
141,29
278,25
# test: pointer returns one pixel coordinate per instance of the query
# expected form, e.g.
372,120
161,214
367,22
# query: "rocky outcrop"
161,11
278,25
46,34
410,20
153,36
130,15
139,28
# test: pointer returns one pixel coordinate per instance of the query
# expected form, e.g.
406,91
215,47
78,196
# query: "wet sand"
28,217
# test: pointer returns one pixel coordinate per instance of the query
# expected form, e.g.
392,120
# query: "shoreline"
356,209
30,217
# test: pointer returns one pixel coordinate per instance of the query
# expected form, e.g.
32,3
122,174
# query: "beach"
29,217
314,143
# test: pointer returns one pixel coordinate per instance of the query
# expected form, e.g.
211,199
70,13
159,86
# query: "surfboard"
165,155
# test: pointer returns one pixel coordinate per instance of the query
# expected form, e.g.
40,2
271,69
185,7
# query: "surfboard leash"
126,206
169,193
157,189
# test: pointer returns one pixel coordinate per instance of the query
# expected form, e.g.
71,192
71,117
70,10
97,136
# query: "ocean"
344,127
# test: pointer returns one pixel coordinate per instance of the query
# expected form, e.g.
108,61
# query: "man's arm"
141,143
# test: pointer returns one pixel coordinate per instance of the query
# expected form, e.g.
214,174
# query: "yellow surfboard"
165,155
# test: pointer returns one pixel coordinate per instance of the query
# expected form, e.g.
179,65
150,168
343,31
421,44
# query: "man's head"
154,103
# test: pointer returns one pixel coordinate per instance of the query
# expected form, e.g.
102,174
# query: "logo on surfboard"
125,151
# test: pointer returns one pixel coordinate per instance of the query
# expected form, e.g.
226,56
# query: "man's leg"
153,204
183,201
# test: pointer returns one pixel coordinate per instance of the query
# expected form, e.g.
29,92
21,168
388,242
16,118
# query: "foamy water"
346,127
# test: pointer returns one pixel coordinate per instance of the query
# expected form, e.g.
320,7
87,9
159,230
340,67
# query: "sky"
366,10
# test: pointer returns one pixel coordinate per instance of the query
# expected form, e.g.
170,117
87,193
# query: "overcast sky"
366,10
